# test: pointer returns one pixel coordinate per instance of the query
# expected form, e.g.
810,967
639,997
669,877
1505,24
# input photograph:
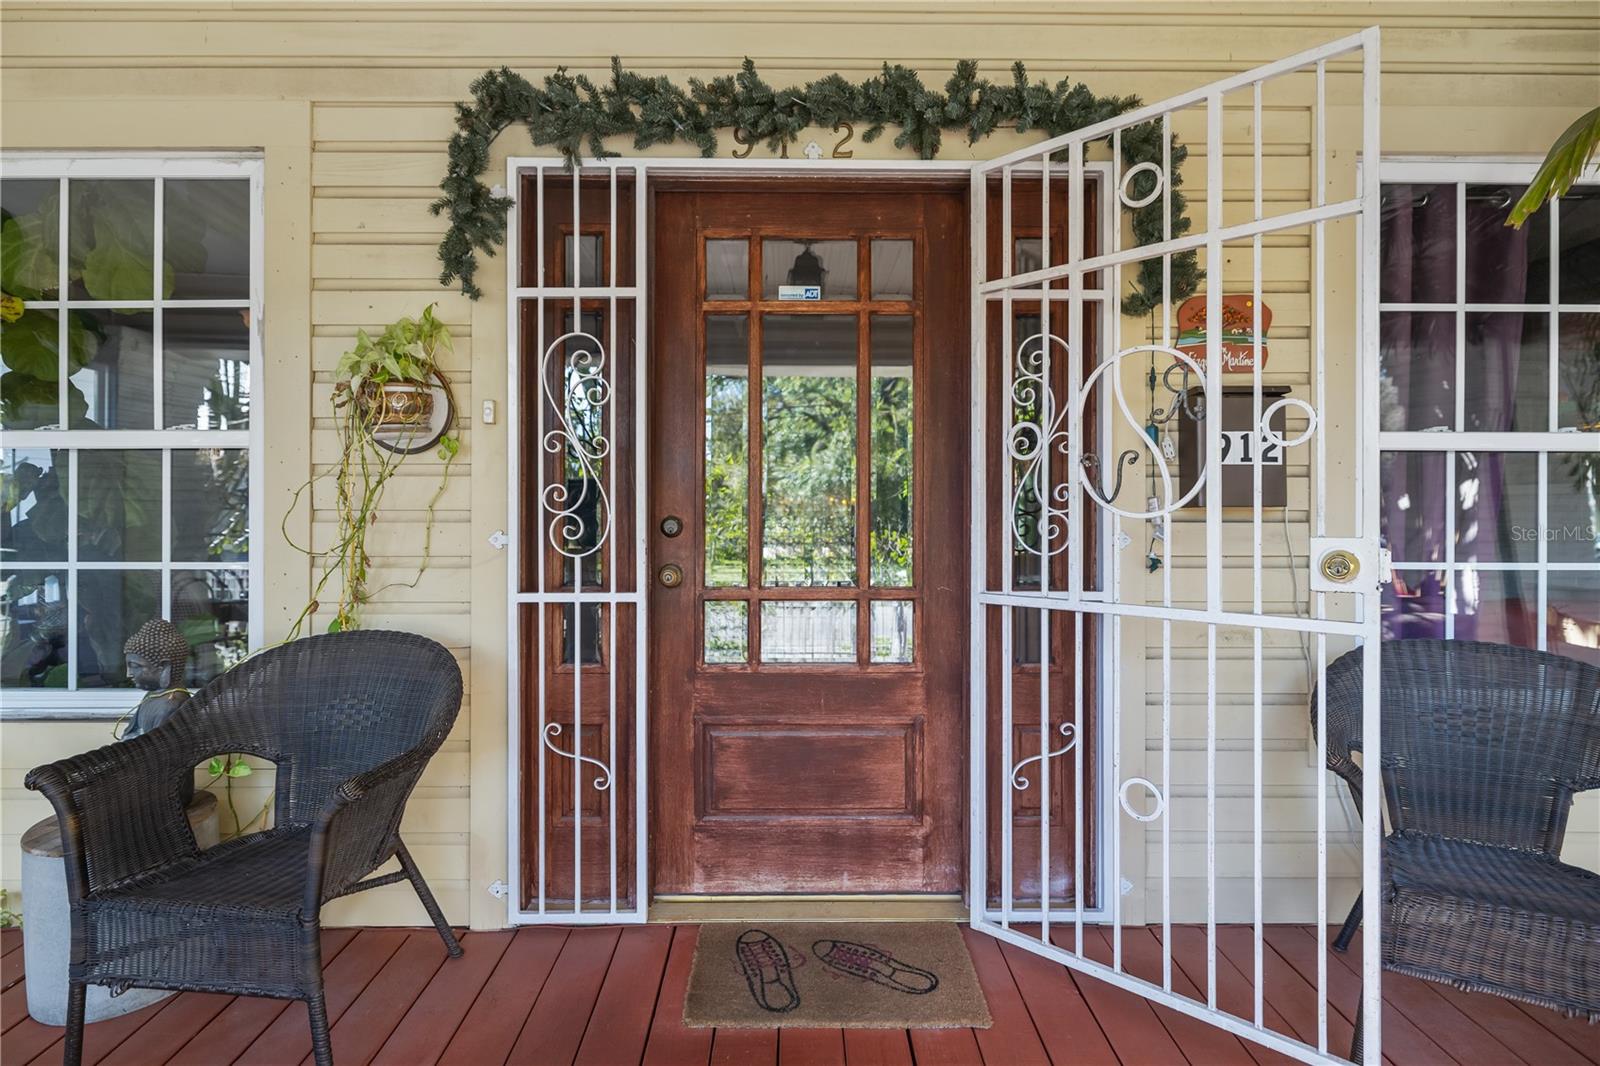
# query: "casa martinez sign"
1238,331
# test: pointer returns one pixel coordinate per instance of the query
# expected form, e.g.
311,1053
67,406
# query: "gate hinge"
498,540
499,889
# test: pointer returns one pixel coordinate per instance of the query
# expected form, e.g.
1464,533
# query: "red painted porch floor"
612,996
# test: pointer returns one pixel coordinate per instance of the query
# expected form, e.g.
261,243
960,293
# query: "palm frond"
1568,158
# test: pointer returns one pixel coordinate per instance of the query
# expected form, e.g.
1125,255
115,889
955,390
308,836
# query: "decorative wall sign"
1238,331
573,114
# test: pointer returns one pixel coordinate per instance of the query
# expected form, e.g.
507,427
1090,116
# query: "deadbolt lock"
670,576
1340,566
671,525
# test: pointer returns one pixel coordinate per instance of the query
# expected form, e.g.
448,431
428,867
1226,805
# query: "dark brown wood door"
809,483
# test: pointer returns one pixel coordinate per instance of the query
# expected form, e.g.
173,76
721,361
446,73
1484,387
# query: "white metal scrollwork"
584,389
1110,370
1127,806
1066,729
1029,442
602,782
1126,196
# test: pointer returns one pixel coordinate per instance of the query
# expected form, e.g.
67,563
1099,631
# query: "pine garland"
572,114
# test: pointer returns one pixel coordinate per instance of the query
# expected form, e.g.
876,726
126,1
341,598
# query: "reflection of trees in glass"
111,242
891,480
809,499
727,480
1580,384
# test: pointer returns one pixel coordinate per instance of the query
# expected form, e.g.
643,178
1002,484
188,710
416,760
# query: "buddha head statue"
156,656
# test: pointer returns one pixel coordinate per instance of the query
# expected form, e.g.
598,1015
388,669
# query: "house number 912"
1238,449
749,140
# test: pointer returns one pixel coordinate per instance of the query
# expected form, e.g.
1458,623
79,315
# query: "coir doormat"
844,975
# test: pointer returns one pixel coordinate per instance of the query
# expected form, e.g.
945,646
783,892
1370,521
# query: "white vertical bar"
74,477
1255,565
157,316
1007,817
1461,305
1319,194
1166,577
612,281
1045,616
641,515
1553,357
1213,453
64,379
1075,561
166,537
258,413
576,279
1107,445
1367,425
514,437
541,651
977,505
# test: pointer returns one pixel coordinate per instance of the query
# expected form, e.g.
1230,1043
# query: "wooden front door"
808,525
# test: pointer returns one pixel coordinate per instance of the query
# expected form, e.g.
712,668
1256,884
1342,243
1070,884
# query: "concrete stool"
47,939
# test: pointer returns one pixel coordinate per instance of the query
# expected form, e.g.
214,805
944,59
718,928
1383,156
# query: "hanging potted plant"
390,400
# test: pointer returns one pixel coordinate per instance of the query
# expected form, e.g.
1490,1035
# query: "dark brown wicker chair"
351,720
1484,747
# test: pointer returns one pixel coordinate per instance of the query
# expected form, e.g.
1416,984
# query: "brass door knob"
670,576
1340,566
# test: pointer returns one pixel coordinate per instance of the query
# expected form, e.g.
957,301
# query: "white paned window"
1490,408
129,373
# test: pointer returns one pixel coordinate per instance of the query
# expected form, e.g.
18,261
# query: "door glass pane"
206,368
116,389
33,629
798,265
210,505
1574,614
1580,245
727,269
821,631
1508,371
119,507
592,264
206,235
727,489
111,240
1573,528
1419,244
114,604
892,631
892,450
808,404
1505,265
1417,353
1498,606
727,631
1578,373
211,608
892,269
1414,500
30,229
33,514
1414,605
1497,507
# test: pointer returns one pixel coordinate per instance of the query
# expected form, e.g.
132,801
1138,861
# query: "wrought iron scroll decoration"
584,386
1029,442
1066,729
602,782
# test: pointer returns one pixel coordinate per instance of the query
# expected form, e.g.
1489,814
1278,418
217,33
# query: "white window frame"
1462,171
18,703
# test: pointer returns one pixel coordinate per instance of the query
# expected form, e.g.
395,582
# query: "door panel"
809,412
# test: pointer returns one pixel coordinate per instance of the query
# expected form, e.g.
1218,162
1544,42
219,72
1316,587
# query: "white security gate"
1196,603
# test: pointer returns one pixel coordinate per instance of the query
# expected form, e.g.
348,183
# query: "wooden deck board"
613,996
671,1042
431,1022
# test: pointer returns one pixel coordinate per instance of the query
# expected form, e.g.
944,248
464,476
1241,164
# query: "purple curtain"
1418,352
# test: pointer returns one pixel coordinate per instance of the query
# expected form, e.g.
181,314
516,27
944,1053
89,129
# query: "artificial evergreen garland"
572,114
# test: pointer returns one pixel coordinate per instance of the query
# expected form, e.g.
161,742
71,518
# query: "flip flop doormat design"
845,975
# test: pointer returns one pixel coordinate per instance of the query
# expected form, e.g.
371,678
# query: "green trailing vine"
576,116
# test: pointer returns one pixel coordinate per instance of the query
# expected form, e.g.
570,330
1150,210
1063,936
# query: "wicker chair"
351,720
1484,747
